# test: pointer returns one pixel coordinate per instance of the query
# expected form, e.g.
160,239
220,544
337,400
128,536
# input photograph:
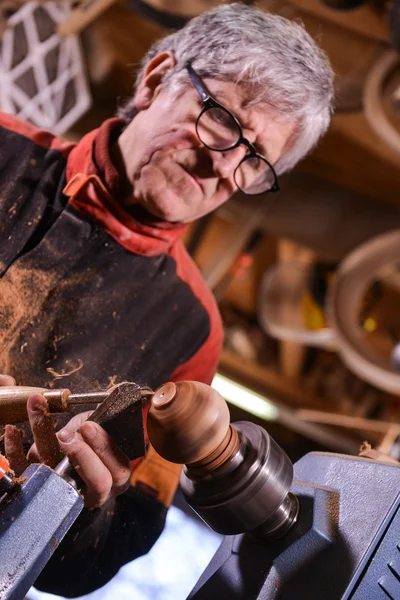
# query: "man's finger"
73,425
14,450
46,442
7,380
112,457
33,455
89,467
76,421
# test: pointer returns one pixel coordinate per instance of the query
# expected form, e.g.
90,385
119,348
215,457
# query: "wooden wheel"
381,89
374,260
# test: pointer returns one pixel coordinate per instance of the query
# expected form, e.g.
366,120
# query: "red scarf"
94,189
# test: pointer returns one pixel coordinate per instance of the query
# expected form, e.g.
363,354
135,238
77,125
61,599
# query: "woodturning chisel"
13,400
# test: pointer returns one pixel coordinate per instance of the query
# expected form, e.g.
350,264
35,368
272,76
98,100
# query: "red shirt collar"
94,189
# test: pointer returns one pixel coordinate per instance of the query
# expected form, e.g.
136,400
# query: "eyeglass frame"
210,102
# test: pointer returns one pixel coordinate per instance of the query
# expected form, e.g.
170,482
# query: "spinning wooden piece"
188,423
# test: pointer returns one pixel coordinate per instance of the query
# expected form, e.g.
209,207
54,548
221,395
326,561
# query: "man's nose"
224,163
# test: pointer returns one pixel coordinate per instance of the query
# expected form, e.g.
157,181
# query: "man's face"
173,176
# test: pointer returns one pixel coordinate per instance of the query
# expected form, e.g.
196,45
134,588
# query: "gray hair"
275,59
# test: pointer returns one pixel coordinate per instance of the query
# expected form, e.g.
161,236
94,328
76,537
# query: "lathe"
327,528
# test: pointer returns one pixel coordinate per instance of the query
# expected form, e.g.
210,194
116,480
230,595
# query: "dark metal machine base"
33,521
344,546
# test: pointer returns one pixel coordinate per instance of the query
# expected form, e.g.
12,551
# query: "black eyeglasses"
218,129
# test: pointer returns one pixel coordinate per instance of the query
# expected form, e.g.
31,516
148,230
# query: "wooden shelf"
267,382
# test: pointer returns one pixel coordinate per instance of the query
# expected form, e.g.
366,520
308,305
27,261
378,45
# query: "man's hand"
101,465
7,380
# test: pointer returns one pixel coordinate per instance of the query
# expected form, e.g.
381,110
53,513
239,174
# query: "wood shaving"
365,447
112,379
63,374
44,410
20,480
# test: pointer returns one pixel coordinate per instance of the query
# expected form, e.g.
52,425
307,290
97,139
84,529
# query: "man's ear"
152,77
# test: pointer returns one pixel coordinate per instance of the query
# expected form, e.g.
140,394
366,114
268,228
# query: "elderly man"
95,285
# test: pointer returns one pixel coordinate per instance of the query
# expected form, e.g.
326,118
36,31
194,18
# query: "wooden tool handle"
13,401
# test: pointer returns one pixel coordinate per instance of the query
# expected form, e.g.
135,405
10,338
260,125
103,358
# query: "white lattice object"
42,77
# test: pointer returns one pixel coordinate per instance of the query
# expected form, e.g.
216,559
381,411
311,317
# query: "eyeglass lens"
254,176
219,131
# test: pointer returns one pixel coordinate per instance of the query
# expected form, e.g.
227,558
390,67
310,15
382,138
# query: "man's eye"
221,117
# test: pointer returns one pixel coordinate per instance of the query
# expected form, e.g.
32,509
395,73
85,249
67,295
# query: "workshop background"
307,280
